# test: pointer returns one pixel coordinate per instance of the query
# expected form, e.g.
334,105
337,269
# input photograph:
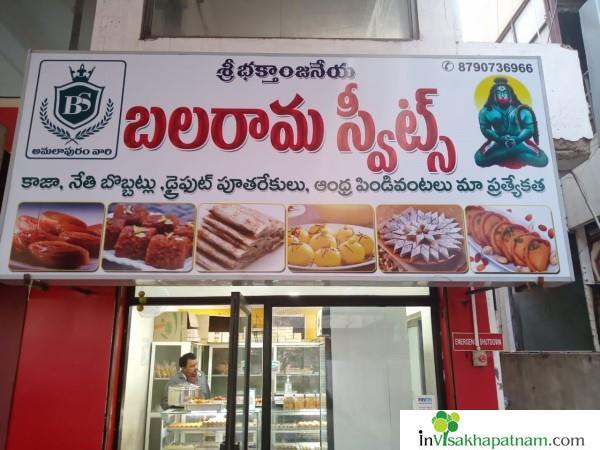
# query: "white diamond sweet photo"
421,238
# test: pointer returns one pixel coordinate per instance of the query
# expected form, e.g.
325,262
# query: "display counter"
184,429
301,429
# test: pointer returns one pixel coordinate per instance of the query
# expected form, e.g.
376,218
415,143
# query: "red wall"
13,301
8,118
467,387
62,379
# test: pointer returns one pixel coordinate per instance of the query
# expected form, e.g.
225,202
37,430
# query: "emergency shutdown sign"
466,342
349,169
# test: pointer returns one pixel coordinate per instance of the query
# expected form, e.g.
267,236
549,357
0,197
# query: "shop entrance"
284,372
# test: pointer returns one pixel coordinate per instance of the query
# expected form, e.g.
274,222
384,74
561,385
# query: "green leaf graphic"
452,426
445,423
440,425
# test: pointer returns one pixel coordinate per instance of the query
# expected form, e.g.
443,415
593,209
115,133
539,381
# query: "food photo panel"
235,237
421,238
51,237
518,239
330,238
149,237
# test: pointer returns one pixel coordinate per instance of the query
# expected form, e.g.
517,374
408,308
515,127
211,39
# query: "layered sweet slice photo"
51,237
149,237
240,237
518,239
421,238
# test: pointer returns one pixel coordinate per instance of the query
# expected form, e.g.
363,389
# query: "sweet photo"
330,238
518,239
421,238
51,237
234,237
149,237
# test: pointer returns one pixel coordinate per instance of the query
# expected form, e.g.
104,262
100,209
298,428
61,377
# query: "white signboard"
292,168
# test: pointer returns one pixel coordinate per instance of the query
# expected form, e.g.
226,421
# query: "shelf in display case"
296,431
207,407
297,344
199,430
311,401
202,427
198,447
298,412
210,430
218,427
215,446
298,425
298,446
214,375
298,374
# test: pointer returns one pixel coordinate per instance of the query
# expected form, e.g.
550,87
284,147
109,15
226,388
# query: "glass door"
299,379
341,374
238,381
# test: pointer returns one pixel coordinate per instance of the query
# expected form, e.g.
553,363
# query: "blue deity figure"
511,130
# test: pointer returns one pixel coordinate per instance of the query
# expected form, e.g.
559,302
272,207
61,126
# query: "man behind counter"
188,373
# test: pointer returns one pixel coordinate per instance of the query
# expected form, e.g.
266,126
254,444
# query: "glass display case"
299,409
299,413
298,364
164,363
184,429
302,429
217,369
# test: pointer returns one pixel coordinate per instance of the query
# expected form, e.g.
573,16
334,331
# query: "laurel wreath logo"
81,134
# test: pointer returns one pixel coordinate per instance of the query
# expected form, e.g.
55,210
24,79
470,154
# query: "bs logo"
76,104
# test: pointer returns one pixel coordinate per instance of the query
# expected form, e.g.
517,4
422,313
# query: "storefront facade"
377,344
94,342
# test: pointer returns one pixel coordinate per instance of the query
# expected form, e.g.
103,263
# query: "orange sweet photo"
330,238
57,237
516,239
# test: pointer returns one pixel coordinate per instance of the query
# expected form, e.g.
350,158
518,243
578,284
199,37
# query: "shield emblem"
76,104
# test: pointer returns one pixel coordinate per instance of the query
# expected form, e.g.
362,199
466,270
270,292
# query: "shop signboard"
465,342
340,169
